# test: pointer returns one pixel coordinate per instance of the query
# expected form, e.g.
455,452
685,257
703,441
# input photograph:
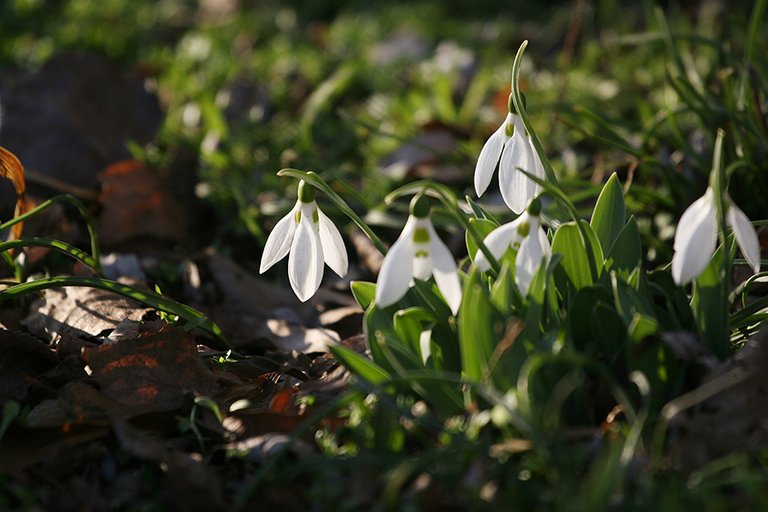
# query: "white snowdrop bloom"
418,253
696,237
513,145
524,234
309,238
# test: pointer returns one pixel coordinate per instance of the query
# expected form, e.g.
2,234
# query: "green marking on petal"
315,216
509,129
421,254
298,216
524,229
421,235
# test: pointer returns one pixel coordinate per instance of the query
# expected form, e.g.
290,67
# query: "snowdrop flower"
513,145
526,236
696,237
418,254
309,238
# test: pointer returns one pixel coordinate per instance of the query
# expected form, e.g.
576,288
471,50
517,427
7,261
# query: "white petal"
497,242
422,261
279,240
446,274
695,239
546,249
527,261
334,252
305,260
489,157
396,269
746,236
538,167
516,188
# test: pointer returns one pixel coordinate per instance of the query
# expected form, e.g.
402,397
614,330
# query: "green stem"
517,100
316,181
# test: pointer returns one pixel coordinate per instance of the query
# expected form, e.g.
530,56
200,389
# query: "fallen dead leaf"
159,370
79,311
136,206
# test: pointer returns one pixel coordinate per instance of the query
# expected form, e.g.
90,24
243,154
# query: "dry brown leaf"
11,168
136,206
160,369
79,311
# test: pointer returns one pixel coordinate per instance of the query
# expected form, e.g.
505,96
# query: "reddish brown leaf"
136,206
11,168
158,369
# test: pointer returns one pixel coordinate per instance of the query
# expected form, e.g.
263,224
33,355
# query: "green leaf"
364,292
608,217
480,328
626,253
409,324
580,317
360,366
575,259
641,326
629,301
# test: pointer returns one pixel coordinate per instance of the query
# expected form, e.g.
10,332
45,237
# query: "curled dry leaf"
11,168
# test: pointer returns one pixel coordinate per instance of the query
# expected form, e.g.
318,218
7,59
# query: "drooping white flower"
309,238
526,236
418,253
511,144
696,237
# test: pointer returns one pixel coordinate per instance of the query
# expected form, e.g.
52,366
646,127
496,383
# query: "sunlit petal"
517,189
695,239
305,260
527,261
746,236
497,242
279,240
489,157
334,252
445,272
396,269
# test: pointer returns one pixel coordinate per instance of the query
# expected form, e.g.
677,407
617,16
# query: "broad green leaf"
641,326
409,324
609,329
480,328
575,255
609,214
673,309
364,292
629,301
580,318
625,254
360,366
